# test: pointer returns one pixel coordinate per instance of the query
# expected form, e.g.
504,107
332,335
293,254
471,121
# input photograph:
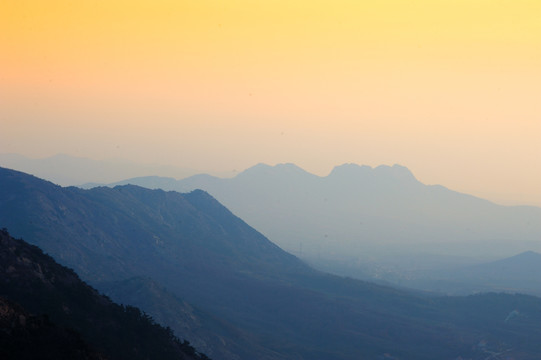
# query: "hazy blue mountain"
361,212
526,265
69,170
152,182
203,254
463,276
67,314
520,273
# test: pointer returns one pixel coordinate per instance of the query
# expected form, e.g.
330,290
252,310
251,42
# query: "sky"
450,89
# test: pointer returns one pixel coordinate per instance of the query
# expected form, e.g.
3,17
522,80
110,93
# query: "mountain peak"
528,256
287,166
349,169
262,169
396,171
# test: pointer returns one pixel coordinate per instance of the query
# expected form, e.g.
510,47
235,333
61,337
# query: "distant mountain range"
190,247
393,210
69,170
67,319
361,212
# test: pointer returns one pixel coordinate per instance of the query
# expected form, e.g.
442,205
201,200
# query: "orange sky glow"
450,89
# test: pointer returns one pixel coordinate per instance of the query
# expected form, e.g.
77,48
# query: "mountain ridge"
394,209
68,170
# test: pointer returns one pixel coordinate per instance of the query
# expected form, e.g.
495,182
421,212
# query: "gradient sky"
449,88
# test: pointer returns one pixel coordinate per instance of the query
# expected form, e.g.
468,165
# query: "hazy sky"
450,89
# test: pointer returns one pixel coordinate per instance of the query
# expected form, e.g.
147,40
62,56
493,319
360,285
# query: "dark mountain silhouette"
205,255
52,291
25,336
360,212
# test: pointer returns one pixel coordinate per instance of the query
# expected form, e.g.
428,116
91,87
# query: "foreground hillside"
72,320
26,336
280,308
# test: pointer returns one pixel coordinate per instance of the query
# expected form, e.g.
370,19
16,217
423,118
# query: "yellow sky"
449,88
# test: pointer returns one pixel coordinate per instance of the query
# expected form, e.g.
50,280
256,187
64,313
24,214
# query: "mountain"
526,265
25,336
200,252
209,334
519,273
71,170
34,280
515,274
358,212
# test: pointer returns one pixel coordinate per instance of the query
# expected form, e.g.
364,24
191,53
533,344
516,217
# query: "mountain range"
189,248
68,170
359,212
